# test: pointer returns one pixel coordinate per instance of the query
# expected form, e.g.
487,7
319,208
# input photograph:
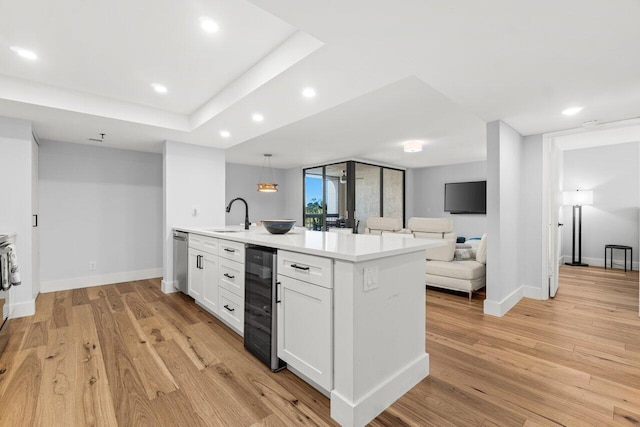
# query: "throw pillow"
464,254
481,254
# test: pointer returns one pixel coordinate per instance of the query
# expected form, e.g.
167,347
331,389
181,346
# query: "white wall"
612,173
532,277
293,194
193,176
102,205
241,181
504,150
427,192
16,205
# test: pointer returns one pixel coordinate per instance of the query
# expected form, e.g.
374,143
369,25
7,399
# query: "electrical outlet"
370,278
92,266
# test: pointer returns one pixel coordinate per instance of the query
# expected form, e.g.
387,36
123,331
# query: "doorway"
559,146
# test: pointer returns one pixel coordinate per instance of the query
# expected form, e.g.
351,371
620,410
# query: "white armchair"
378,225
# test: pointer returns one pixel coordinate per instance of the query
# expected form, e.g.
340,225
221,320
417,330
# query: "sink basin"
224,230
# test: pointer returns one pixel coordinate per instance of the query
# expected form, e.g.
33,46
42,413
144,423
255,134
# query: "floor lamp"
577,199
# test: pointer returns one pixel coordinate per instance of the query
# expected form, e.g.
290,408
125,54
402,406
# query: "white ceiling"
466,61
373,127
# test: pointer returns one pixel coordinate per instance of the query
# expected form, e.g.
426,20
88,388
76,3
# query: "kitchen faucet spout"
246,211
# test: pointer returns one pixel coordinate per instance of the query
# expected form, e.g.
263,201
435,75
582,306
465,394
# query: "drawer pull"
230,309
300,267
229,250
229,276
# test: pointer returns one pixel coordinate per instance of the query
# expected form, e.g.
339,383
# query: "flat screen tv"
465,197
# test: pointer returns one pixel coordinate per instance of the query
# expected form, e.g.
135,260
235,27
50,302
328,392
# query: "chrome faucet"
246,211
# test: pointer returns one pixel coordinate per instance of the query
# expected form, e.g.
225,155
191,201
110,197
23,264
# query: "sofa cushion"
468,270
454,284
431,225
377,224
481,253
442,253
401,234
463,254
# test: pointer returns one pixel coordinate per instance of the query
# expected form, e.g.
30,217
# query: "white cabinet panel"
231,276
210,286
203,243
305,325
308,268
231,250
232,310
196,274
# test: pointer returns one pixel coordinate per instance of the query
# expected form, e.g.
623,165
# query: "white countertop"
348,247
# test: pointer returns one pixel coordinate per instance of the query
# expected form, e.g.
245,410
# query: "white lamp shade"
577,197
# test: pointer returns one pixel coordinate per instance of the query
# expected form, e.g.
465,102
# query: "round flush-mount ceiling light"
209,25
24,53
572,111
159,88
308,92
412,146
257,117
225,133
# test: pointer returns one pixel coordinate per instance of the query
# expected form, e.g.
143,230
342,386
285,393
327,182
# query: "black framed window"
345,194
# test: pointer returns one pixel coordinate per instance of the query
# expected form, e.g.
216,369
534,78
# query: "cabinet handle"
229,276
300,267
199,265
230,309
198,262
278,301
229,250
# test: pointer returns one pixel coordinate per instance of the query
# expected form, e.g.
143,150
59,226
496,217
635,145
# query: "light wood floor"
127,354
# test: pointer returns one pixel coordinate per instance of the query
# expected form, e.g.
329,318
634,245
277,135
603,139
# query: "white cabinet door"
304,329
209,265
196,274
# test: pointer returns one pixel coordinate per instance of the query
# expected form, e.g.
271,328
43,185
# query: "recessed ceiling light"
159,88
308,92
24,53
225,133
209,25
412,146
572,111
257,117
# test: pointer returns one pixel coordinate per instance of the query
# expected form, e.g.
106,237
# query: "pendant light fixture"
267,187
343,178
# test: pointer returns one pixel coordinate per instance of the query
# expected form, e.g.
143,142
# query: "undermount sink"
224,230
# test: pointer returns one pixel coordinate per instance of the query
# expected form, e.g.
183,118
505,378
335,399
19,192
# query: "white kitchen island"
351,321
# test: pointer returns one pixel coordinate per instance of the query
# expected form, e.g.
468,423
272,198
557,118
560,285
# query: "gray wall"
242,180
98,204
612,173
427,191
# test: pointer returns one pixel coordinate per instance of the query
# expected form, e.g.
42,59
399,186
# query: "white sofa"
442,270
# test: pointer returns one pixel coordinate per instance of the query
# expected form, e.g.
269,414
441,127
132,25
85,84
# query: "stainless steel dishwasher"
181,261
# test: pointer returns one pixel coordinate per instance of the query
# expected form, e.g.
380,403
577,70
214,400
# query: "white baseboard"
599,262
168,287
500,308
23,309
105,279
533,293
369,406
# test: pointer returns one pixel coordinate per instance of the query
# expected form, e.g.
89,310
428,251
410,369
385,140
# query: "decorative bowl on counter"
278,226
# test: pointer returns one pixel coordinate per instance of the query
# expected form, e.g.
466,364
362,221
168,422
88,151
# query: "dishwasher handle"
182,237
